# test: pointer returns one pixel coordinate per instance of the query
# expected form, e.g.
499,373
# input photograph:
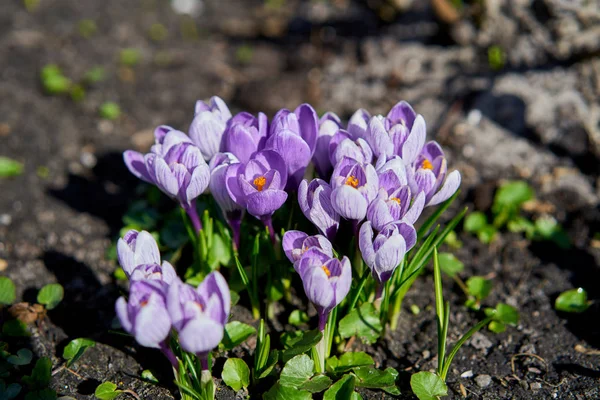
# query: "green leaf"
512,194
487,234
316,384
23,357
107,391
363,322
349,360
9,392
302,344
15,328
110,110
51,295
7,290
573,301
220,252
475,222
479,287
373,378
10,167
497,327
94,75
75,349
297,371
42,394
129,57
298,317
428,386
235,334
507,314
120,274
40,375
449,264
236,373
342,389
520,224
270,364
280,392
148,376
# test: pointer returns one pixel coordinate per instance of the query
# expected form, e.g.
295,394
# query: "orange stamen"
260,182
144,303
397,200
427,164
327,271
352,181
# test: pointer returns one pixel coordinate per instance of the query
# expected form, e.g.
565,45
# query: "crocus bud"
329,125
358,123
137,248
144,314
326,285
345,145
354,186
258,185
245,135
294,137
199,315
165,273
314,199
384,253
297,243
208,126
429,175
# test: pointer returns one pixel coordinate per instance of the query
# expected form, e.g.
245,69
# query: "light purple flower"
165,273
297,243
208,126
358,124
245,135
354,186
144,314
199,315
258,184
429,175
137,248
343,144
329,125
314,199
385,252
294,137
326,283
174,165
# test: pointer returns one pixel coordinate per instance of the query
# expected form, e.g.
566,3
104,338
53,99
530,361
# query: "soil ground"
534,116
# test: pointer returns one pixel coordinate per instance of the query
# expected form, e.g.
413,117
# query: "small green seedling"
158,32
75,349
110,111
87,28
572,301
53,80
236,373
7,291
10,167
244,54
130,57
51,295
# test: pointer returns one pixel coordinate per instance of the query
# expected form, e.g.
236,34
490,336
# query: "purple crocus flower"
294,137
208,126
329,125
393,201
144,314
297,243
245,135
137,248
232,211
401,133
175,166
343,144
429,175
165,273
354,186
199,315
326,282
358,124
384,253
314,199
258,185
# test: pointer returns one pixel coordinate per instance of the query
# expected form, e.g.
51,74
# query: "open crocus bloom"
354,185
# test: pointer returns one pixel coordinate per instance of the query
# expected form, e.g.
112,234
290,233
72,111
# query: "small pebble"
480,341
524,385
483,381
467,374
5,219
535,386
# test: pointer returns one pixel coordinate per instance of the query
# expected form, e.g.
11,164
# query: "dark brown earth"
536,118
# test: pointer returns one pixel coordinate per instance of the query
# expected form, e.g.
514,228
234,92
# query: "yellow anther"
352,181
260,182
426,164
397,200
327,271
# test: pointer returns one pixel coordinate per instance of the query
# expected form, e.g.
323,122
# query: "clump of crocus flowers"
361,185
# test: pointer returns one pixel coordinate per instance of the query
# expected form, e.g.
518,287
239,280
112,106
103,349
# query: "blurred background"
511,88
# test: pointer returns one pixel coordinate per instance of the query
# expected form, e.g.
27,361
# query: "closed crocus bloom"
343,144
137,248
144,314
165,273
294,136
326,285
199,315
208,126
329,125
245,135
354,185
314,199
358,124
429,175
232,211
297,243
384,253
258,185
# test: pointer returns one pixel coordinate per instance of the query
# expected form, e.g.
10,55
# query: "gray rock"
483,381
480,341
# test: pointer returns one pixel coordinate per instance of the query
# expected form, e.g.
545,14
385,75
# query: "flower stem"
269,224
190,210
164,347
